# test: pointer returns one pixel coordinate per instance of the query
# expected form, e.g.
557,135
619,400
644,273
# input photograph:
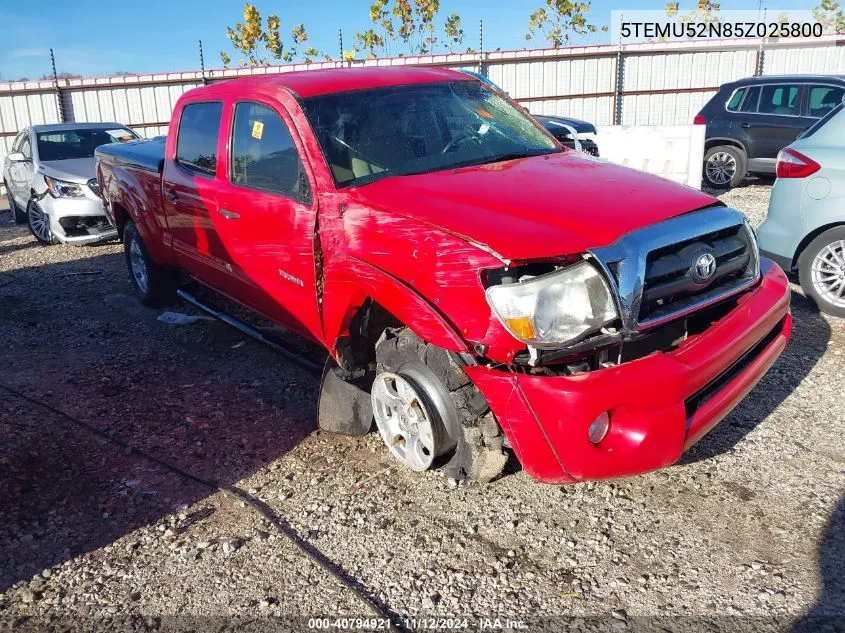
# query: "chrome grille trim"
624,261
94,186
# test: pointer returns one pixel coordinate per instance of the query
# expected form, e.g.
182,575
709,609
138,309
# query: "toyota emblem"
703,268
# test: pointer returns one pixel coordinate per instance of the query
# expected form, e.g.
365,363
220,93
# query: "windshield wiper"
501,158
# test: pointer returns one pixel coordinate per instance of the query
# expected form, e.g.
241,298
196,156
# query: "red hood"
536,207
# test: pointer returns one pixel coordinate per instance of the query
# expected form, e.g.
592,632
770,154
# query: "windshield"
68,144
400,130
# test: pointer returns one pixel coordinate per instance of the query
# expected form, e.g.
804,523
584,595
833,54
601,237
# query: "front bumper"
78,220
660,405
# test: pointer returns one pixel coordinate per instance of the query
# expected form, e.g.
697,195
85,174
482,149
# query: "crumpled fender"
350,281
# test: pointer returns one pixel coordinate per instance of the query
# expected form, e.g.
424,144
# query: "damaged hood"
537,207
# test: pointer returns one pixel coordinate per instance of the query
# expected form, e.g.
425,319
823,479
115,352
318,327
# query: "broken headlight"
556,308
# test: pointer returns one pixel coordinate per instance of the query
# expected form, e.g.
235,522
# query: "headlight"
62,189
556,308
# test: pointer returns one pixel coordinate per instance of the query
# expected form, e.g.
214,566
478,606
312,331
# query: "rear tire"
18,214
821,271
463,428
725,167
155,285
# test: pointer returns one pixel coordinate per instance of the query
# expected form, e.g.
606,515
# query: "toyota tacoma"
479,288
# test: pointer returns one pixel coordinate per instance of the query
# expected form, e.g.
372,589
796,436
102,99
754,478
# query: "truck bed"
147,154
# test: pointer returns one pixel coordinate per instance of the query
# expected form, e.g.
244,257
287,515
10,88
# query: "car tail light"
792,164
699,120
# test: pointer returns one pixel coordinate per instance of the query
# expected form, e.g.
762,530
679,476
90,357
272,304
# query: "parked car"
560,127
50,183
478,285
749,121
805,228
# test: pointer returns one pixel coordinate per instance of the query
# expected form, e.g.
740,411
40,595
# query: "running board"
313,368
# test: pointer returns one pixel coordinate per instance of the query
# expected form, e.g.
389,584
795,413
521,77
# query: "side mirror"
16,157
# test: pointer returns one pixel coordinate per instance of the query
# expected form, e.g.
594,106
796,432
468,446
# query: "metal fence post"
59,104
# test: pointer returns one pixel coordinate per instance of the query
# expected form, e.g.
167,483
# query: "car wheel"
724,167
821,270
39,223
18,214
429,412
155,285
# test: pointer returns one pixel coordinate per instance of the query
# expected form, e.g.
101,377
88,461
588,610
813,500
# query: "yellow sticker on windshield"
257,129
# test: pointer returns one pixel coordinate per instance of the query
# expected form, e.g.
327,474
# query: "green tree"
261,44
407,25
830,16
559,19
706,12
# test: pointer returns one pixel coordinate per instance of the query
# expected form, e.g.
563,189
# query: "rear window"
70,144
736,99
196,144
752,96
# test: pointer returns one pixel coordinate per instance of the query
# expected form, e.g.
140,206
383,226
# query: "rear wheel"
724,167
18,214
821,269
154,284
428,411
39,224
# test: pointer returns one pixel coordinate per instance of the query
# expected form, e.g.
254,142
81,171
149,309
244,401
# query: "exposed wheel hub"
404,422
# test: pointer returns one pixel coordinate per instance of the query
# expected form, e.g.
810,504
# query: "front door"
21,172
271,216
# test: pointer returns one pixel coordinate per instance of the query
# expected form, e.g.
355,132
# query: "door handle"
171,195
746,125
230,215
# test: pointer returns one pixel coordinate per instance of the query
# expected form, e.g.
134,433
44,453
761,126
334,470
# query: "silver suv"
51,183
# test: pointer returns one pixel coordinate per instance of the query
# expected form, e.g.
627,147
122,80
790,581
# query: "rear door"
191,190
777,122
270,215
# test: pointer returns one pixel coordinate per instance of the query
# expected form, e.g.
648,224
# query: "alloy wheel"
828,273
720,168
39,223
139,266
404,422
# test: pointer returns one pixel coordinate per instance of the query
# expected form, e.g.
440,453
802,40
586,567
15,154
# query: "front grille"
95,187
673,283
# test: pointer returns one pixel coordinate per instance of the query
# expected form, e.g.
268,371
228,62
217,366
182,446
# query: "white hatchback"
805,228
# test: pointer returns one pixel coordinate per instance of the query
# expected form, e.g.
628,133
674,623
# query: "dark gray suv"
749,121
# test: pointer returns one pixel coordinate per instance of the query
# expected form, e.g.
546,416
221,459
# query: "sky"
94,37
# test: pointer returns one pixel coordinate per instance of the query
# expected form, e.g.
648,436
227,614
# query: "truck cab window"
263,154
196,145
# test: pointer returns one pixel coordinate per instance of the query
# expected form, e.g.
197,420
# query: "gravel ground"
747,529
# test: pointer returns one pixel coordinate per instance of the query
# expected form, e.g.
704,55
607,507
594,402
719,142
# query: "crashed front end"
634,351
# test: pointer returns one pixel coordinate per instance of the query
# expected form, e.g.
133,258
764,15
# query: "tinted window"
400,130
263,153
823,99
749,104
68,144
196,145
782,100
736,99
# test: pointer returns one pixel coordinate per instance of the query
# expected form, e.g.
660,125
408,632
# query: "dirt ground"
746,533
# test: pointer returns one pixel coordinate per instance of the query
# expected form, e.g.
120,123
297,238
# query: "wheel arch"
360,301
807,239
722,140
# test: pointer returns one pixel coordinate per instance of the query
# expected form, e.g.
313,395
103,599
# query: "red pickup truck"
480,287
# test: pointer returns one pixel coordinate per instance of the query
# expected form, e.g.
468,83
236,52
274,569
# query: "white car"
51,185
805,228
